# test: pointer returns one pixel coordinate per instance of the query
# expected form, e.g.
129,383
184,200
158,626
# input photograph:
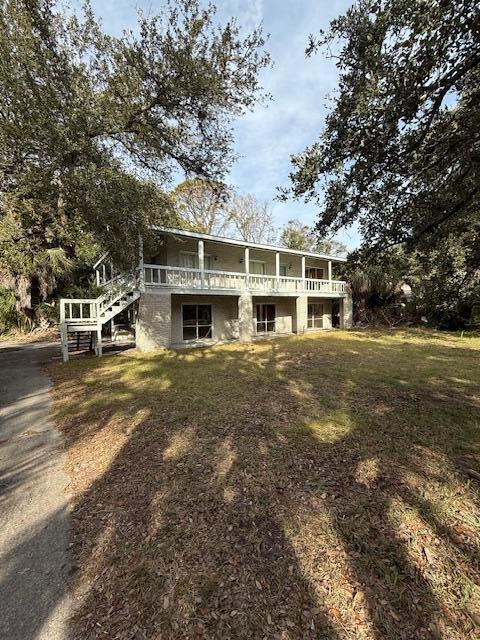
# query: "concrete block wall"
346,311
153,328
245,317
300,319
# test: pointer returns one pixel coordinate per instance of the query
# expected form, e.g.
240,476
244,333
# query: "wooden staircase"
82,319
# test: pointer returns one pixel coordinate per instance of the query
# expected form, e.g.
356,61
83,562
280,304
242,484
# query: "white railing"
83,310
325,286
93,310
182,277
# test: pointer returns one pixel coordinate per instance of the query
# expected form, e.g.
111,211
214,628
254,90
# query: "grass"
313,487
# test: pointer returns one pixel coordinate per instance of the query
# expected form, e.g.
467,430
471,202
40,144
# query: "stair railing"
92,310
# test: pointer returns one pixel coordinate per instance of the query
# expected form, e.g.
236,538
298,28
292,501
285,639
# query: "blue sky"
300,87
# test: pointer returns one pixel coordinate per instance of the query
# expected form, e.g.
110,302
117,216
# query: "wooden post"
247,267
201,262
99,341
330,270
303,274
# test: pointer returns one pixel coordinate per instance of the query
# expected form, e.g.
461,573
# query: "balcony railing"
181,277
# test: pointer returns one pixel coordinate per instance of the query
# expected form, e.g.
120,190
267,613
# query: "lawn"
323,486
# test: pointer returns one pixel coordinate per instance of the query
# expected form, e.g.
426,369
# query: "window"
257,267
189,260
197,321
315,316
265,318
314,272
283,269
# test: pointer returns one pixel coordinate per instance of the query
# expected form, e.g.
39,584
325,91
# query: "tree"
400,150
331,248
296,235
92,127
202,206
251,220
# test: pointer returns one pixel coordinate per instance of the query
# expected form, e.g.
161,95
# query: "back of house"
195,289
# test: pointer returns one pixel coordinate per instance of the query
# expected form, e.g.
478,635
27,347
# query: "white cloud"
266,138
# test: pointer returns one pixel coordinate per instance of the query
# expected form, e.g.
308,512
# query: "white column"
277,268
246,259
201,262
97,277
303,273
329,269
245,317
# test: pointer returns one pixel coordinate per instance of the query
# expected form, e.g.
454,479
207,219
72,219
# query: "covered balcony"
190,262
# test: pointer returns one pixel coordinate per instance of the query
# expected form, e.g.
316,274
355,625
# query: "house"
195,289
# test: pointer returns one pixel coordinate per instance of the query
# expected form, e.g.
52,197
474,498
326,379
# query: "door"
314,273
265,318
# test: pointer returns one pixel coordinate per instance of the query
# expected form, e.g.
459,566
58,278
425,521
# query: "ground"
34,603
322,486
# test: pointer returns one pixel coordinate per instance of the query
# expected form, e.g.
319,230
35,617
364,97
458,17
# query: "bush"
10,317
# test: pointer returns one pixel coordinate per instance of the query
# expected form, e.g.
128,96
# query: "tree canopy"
296,235
201,205
400,151
93,127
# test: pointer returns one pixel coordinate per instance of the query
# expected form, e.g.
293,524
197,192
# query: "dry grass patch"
313,487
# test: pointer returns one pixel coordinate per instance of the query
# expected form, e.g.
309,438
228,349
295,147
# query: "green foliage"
11,317
296,235
399,152
93,127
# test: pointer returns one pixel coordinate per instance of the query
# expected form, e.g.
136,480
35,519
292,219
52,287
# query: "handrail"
92,310
210,279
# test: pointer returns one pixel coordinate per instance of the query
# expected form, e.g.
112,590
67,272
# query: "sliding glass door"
265,318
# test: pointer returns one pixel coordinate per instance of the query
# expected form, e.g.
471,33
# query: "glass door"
265,318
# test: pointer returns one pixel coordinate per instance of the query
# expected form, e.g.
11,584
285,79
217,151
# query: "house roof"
243,243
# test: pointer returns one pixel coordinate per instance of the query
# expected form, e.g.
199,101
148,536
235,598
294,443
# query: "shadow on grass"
278,490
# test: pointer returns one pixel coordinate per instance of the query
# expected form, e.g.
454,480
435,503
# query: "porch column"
330,270
303,274
245,317
277,269
346,310
246,260
301,307
201,262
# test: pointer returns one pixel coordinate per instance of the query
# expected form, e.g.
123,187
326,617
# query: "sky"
300,88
